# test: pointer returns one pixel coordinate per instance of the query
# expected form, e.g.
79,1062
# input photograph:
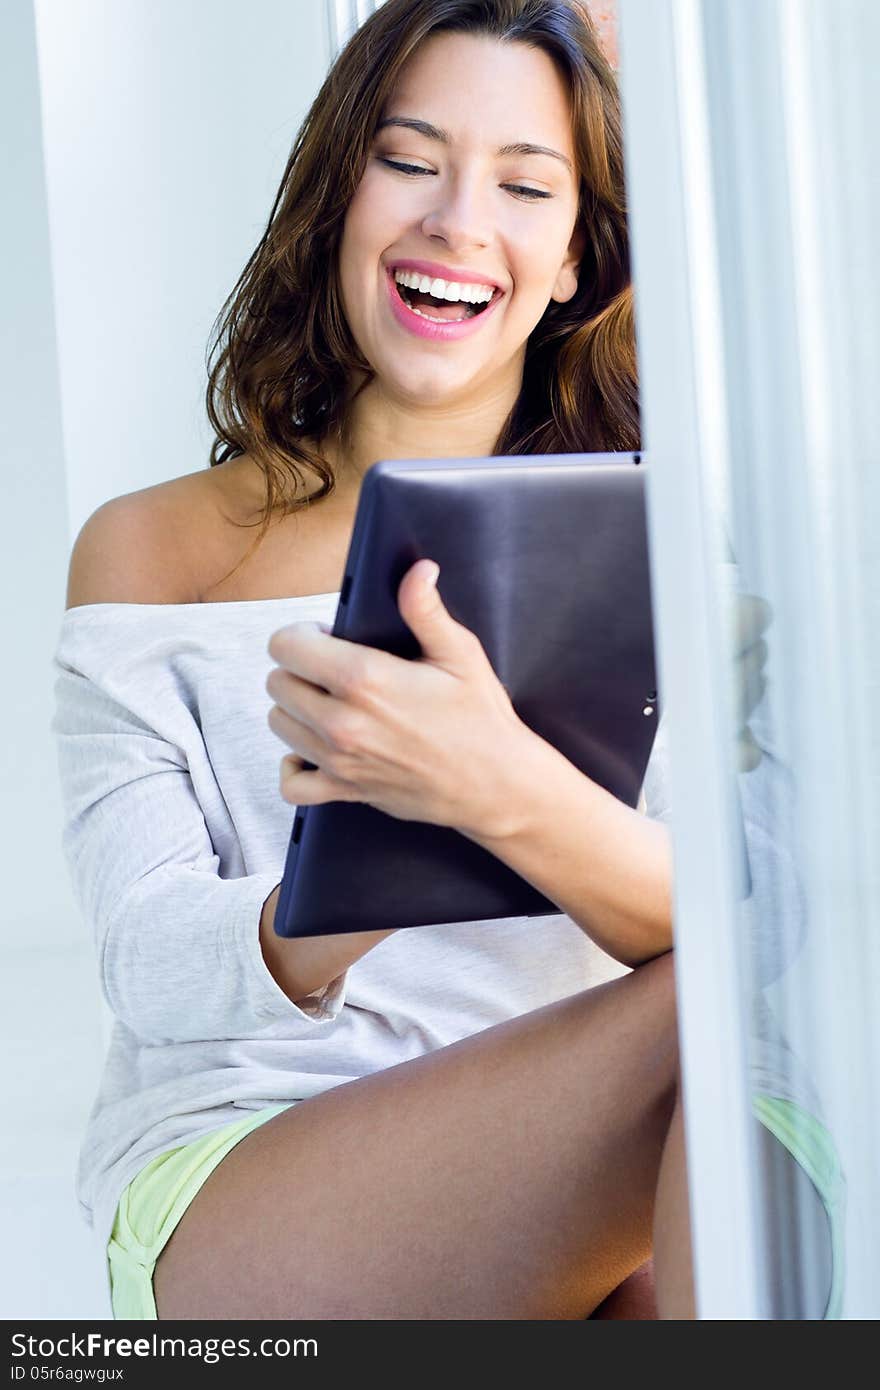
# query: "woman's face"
472,207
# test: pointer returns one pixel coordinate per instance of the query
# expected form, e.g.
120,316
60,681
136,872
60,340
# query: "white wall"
35,901
143,141
167,127
49,1016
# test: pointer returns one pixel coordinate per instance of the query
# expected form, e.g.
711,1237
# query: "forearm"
601,862
301,964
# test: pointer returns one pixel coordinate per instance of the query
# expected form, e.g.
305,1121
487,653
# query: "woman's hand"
752,617
425,740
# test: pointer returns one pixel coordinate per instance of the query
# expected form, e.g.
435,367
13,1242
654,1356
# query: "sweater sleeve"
178,946
773,916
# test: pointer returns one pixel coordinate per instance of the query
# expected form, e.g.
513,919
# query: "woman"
445,1122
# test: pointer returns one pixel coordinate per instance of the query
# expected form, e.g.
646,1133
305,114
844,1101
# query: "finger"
755,697
753,615
749,752
298,736
750,681
300,699
749,697
309,787
754,658
332,664
443,640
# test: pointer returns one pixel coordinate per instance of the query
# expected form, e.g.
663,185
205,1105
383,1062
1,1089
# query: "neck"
380,427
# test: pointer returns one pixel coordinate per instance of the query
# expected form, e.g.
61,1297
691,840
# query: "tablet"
545,558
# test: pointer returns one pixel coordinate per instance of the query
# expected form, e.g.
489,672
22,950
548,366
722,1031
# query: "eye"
523,191
404,168
519,190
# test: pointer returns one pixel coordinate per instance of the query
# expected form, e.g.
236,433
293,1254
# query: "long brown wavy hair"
282,355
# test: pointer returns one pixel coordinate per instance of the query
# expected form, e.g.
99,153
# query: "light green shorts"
810,1144
153,1203
155,1200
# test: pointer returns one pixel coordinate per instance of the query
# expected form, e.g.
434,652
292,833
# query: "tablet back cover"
545,558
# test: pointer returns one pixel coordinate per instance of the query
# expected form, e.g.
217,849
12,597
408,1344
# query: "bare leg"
511,1175
635,1300
673,1266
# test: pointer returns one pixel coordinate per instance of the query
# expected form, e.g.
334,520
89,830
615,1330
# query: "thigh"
508,1175
635,1300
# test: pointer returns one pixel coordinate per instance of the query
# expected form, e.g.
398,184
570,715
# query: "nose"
460,216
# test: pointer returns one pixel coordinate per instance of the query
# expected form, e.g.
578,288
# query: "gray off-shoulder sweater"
175,834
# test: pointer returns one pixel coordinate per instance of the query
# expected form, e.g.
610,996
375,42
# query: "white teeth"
432,319
444,289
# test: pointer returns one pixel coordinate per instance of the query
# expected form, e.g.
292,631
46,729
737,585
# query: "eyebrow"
433,133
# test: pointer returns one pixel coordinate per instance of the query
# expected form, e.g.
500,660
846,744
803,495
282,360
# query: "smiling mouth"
440,310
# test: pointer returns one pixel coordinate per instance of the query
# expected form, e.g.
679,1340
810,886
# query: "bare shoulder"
183,541
143,547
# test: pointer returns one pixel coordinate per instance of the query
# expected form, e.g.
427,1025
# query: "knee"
661,982
658,977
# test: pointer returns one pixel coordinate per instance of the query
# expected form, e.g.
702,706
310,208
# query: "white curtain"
752,154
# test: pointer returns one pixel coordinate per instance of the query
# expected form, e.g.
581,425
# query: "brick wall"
604,16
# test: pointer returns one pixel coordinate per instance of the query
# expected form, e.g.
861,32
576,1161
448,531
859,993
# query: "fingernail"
431,575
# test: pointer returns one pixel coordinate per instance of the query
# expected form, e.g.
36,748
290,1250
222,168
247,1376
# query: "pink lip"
424,328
